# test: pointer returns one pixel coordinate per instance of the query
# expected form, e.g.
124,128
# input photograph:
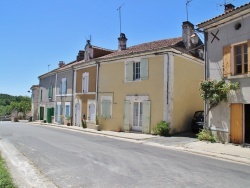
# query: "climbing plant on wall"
213,92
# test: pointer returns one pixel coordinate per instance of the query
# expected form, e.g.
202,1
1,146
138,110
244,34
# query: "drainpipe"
205,77
72,98
55,98
97,86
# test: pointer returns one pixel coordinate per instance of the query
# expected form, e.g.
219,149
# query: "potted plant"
68,118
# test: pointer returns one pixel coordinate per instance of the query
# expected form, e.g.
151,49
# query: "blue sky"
38,33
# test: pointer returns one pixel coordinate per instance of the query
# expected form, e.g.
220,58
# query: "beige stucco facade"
83,99
112,83
173,98
186,98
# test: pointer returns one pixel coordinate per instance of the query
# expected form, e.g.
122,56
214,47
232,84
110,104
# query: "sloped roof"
224,15
145,47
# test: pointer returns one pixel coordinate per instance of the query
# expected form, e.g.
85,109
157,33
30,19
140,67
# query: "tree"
213,92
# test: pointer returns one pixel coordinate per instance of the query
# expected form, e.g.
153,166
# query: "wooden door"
236,127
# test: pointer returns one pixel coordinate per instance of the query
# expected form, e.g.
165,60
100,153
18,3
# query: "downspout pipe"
97,86
72,98
205,76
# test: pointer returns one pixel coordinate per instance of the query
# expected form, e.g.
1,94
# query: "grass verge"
5,178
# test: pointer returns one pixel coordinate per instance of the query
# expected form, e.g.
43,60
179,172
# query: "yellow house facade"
144,84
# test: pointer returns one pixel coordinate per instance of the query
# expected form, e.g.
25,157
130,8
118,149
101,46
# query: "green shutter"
126,116
144,69
146,117
129,71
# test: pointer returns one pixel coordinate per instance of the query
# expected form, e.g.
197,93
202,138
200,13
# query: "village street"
73,159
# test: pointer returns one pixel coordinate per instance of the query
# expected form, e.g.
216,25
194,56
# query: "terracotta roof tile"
150,46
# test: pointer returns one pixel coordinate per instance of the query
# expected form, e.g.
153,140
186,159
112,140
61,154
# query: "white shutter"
146,117
106,109
129,71
144,69
126,116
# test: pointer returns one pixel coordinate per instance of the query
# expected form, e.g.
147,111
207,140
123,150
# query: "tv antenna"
225,3
48,67
119,8
187,2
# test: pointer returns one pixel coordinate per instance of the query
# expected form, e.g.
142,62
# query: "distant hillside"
6,99
9,102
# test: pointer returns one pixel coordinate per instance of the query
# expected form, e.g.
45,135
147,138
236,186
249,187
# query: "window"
41,95
241,59
63,86
106,107
85,82
50,92
137,70
236,59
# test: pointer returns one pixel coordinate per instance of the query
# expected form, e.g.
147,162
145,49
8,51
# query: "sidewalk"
230,152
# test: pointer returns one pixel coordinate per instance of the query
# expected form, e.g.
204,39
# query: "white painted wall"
219,117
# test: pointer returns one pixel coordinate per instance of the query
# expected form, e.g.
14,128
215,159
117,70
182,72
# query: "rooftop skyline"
36,35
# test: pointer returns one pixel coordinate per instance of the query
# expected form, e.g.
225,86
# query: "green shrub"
206,135
162,128
84,124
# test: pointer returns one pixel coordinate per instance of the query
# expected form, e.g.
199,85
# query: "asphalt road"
73,159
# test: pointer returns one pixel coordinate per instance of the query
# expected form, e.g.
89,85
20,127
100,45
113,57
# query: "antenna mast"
119,8
187,2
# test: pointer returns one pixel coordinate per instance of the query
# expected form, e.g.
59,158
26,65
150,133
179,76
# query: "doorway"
78,114
91,110
137,116
247,123
236,123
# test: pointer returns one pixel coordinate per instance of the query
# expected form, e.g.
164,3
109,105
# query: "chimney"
89,53
61,64
229,8
187,32
122,42
80,55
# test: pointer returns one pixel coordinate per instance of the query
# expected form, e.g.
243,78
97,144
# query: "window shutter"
126,116
56,113
248,56
146,117
60,89
86,83
60,109
226,61
67,110
129,71
65,86
106,104
144,69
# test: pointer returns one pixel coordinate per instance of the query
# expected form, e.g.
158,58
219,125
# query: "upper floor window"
136,70
63,86
241,59
236,59
85,82
41,95
50,92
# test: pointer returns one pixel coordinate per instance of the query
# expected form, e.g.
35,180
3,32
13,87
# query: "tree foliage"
9,102
213,92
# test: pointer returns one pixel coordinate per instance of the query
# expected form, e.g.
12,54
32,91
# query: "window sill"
239,76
